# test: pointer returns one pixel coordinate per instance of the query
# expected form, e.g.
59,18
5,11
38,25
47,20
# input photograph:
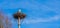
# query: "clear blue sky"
40,13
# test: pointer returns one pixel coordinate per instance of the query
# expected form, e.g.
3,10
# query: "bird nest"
19,15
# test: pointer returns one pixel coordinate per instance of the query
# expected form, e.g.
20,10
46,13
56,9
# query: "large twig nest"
19,15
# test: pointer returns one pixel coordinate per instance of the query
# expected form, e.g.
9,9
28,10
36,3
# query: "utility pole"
19,15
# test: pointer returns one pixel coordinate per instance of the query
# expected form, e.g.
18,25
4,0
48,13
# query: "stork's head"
19,10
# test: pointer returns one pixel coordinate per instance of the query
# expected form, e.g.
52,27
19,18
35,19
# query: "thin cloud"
38,20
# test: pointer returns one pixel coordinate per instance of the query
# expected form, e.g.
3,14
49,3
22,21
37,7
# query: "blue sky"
40,13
